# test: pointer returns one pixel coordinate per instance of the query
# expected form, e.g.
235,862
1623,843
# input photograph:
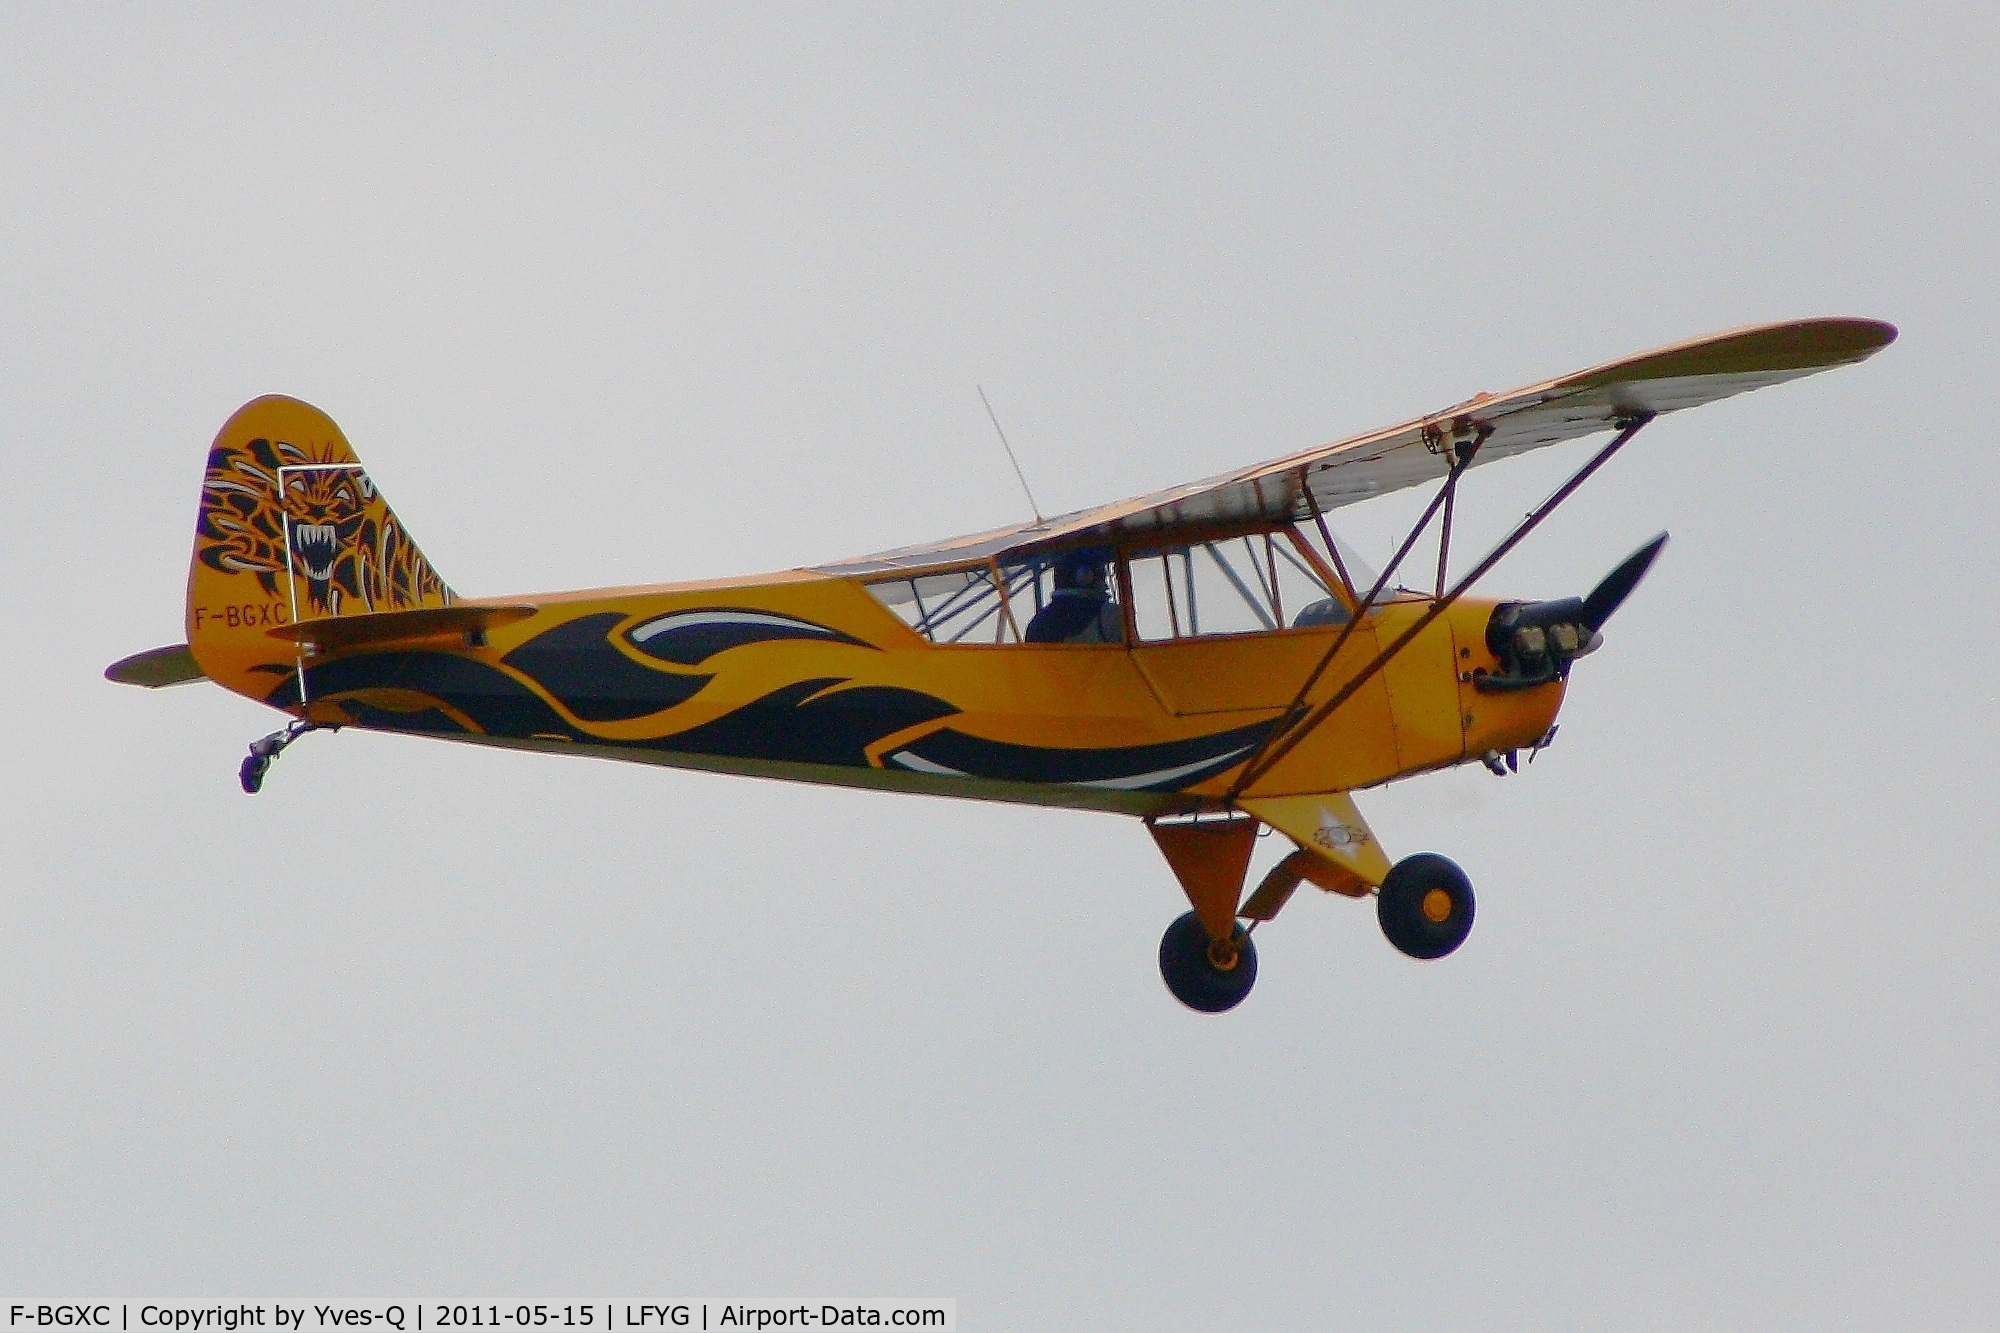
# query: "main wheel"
1206,975
1425,905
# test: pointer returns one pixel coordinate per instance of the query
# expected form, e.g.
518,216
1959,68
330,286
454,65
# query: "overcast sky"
632,293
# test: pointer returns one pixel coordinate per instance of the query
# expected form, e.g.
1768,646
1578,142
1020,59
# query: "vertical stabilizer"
291,528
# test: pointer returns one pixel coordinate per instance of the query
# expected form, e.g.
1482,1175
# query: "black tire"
1400,905
1194,978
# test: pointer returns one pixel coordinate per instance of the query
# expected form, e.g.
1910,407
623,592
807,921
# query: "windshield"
1342,559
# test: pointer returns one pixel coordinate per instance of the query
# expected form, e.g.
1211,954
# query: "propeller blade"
1616,586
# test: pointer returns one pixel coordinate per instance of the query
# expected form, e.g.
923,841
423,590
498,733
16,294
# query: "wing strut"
1461,459
1294,729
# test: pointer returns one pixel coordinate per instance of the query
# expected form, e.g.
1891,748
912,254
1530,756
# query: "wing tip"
1864,337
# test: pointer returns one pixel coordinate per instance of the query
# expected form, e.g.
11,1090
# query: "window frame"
1331,573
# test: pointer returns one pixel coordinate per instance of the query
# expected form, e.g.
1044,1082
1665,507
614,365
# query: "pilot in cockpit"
1082,609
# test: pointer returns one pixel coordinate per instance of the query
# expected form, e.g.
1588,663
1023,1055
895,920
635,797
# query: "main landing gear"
1207,959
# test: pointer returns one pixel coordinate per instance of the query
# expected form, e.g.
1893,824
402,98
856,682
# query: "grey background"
630,294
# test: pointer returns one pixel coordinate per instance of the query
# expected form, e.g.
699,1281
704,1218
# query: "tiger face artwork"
346,546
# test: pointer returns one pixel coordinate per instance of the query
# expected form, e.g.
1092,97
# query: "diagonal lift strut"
1297,727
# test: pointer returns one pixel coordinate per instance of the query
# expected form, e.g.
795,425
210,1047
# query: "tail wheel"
1425,905
1208,976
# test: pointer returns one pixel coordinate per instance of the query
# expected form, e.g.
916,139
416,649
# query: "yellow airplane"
1211,658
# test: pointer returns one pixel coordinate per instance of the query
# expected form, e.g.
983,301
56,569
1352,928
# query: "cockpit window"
950,606
1064,596
1287,578
1240,585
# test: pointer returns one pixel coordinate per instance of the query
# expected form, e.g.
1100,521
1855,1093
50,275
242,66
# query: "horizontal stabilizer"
172,665
332,633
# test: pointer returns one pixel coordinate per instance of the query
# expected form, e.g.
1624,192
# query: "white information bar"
655,1315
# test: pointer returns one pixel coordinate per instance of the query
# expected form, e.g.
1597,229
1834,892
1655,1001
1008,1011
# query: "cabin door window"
1236,624
1241,585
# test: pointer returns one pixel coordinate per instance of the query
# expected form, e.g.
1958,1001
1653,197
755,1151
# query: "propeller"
1615,587
1535,642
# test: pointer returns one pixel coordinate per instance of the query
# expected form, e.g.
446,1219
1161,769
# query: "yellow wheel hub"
1437,907
1223,954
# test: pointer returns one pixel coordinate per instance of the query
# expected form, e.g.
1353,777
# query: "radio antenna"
1040,522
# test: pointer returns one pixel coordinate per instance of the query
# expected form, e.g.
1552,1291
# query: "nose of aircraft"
1535,642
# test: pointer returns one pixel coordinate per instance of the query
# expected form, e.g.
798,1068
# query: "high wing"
1685,374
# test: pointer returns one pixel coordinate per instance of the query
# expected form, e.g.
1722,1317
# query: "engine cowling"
1535,642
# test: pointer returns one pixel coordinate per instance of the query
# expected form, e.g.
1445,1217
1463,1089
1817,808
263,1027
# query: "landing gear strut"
1206,957
263,751
1206,975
